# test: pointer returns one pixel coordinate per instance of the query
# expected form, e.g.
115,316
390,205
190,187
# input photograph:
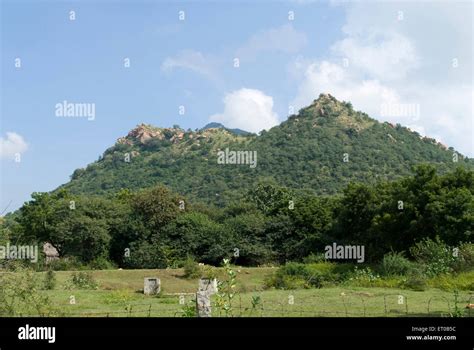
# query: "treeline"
156,228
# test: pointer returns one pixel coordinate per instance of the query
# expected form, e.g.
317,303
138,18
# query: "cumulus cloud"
195,61
327,77
447,114
382,55
11,145
401,54
247,109
282,39
444,113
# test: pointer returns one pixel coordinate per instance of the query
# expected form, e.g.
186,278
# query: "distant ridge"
214,125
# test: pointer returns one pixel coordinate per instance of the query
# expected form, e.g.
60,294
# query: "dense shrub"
465,258
416,281
436,257
395,264
451,282
101,263
286,282
364,277
191,268
293,276
314,258
13,264
19,295
297,275
81,280
461,281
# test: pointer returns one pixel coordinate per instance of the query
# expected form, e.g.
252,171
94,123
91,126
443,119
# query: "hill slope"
320,150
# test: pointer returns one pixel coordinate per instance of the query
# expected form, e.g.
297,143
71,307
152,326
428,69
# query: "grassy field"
119,293
172,280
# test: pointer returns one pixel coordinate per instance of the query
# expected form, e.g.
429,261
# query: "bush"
81,280
460,281
49,280
286,282
188,310
101,263
314,258
293,269
416,281
395,264
294,276
19,295
363,277
436,256
13,265
465,258
331,273
316,275
191,268
208,271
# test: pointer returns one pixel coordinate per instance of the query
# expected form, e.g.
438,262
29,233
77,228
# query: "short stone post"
152,285
207,287
203,304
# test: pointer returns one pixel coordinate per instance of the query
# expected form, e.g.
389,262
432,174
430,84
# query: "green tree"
251,244
41,217
270,198
155,207
196,235
85,237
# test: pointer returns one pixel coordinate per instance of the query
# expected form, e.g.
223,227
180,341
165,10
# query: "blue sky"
383,54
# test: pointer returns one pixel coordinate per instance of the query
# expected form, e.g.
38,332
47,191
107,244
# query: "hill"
236,131
320,150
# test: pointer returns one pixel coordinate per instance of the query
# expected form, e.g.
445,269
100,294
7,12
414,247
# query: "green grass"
172,280
359,302
120,294
350,302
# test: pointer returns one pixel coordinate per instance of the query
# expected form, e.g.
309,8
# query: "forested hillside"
320,150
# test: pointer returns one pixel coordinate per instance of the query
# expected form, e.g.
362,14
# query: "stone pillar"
152,285
203,304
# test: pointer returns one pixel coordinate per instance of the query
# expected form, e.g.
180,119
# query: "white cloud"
282,39
195,61
406,61
439,30
382,55
247,109
447,114
327,77
11,145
